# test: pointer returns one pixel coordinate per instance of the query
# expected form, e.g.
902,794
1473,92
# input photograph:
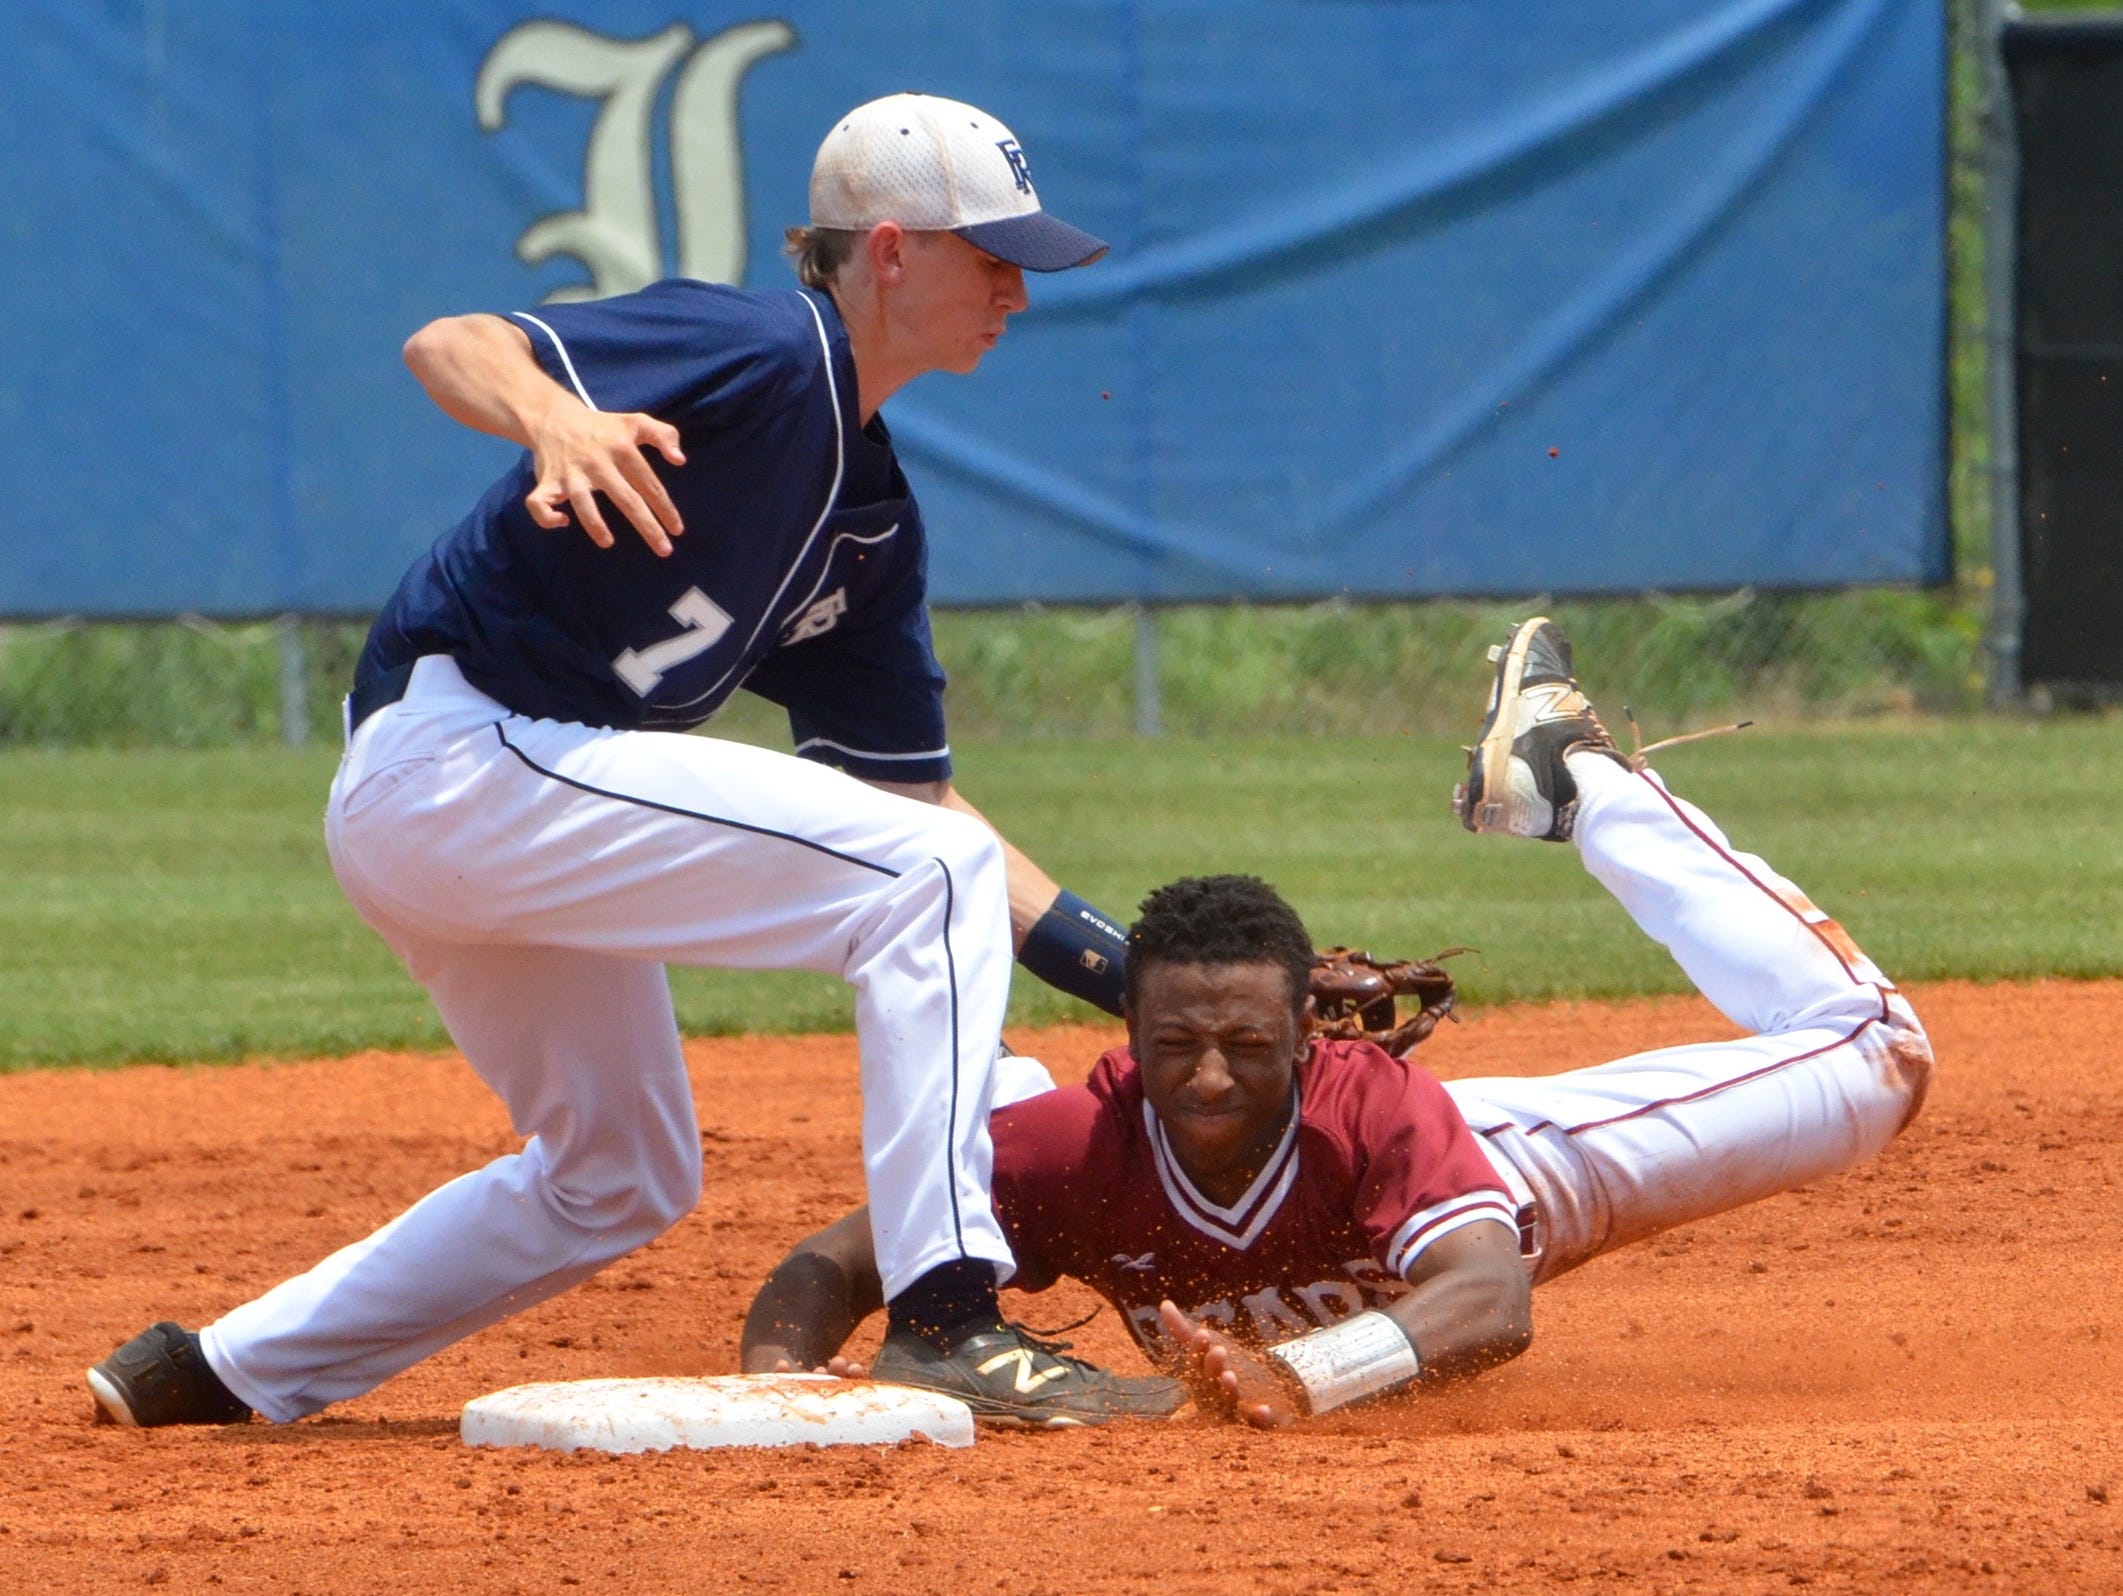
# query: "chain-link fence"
183,683
1212,670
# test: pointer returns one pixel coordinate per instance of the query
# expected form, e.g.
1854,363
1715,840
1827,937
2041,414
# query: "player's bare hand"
1226,1377
838,1367
579,453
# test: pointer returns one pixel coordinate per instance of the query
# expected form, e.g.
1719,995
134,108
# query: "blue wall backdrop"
1406,296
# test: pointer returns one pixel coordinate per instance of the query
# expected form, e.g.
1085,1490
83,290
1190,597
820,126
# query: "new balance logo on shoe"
1007,1376
1026,1380
1549,701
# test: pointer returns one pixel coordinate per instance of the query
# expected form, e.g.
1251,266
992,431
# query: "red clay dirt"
1904,1378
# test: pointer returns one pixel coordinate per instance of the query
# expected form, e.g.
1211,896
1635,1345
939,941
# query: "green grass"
177,905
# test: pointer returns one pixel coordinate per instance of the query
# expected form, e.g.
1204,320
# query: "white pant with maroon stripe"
535,877
1836,1065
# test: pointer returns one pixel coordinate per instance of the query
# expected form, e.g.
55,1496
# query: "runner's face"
955,299
1217,1044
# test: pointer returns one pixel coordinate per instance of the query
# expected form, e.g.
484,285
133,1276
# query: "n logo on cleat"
1026,1380
1551,701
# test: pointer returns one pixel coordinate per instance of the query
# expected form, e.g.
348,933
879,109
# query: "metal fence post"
2001,213
294,683
1149,695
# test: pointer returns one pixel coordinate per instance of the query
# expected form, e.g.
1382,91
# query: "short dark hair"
1220,920
819,252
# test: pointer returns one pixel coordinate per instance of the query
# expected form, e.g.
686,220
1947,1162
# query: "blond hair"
819,252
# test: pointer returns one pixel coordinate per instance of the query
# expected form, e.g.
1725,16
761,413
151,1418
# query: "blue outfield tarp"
1407,297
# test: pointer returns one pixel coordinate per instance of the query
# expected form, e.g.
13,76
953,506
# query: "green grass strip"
178,905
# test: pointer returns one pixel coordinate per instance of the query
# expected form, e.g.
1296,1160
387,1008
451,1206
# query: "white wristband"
1345,1363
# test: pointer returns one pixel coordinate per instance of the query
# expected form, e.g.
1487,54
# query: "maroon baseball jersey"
1374,1168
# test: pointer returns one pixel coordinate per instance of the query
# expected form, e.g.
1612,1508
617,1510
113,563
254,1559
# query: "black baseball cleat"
161,1377
1517,783
1012,1379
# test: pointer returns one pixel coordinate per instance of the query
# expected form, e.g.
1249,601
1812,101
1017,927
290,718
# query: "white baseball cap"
936,165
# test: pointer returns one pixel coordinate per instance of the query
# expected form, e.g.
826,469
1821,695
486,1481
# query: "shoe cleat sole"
111,1406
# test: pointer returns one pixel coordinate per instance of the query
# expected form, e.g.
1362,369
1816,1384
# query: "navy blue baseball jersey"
801,576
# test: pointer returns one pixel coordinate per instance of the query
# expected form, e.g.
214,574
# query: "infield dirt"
1905,1378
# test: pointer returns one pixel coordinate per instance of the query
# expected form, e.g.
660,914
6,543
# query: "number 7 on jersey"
704,620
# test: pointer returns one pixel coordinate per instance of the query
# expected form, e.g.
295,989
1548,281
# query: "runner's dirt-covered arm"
813,1300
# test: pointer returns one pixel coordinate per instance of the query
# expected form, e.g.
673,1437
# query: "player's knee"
959,863
955,877
1906,1065
669,1187
966,848
632,1206
670,1193
634,1215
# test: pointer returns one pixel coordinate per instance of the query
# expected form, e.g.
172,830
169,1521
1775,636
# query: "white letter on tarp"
707,155
615,234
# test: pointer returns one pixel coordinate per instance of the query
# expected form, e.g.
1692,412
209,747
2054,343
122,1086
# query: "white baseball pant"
1836,1065
535,876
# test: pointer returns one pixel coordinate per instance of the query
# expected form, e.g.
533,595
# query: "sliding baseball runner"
1294,1225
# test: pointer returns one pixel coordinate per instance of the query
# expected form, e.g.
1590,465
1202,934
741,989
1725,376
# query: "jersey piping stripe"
1730,858
950,906
1236,1214
1440,1219
560,349
1237,1240
695,814
865,753
840,461
1711,1090
1264,1197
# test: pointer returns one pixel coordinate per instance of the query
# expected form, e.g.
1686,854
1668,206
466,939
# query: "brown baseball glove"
1353,997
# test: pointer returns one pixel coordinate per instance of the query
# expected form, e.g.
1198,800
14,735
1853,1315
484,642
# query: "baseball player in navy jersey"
516,818
1296,1226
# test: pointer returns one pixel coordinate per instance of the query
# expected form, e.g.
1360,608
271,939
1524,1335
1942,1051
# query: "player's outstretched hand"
579,453
1227,1378
840,1368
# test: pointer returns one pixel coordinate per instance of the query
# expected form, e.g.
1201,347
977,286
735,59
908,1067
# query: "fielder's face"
952,300
1218,1045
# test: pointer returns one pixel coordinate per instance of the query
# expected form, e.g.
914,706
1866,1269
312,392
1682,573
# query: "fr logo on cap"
937,165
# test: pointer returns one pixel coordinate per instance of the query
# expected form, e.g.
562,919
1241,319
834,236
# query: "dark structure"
2067,82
